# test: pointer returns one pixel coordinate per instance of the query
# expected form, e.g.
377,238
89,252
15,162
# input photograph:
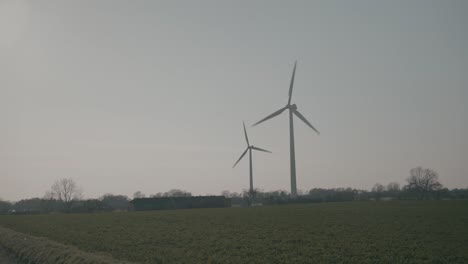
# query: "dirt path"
5,258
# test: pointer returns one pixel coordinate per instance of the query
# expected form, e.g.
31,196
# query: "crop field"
354,232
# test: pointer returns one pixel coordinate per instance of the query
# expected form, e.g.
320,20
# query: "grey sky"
150,95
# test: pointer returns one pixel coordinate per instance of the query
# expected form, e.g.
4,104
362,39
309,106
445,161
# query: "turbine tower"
249,149
292,110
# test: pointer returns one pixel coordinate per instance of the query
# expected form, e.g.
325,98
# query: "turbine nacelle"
293,107
249,147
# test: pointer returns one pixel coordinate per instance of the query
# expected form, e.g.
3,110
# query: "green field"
353,232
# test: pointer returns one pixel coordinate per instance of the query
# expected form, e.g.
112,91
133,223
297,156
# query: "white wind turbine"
249,149
292,110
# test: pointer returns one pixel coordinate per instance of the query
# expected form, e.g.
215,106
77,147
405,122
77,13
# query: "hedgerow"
37,250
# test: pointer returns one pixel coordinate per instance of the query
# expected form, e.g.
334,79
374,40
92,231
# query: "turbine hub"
293,107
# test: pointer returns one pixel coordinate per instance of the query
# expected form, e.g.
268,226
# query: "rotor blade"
292,83
305,120
259,149
246,137
240,157
271,116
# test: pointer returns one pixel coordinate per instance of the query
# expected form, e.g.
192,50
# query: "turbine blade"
259,149
305,120
243,154
245,133
292,83
271,116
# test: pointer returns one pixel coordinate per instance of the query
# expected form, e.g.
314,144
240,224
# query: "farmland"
354,232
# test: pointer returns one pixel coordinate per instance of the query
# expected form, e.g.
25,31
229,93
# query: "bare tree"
177,193
393,187
138,195
378,189
5,206
116,202
226,193
423,182
250,195
49,195
66,191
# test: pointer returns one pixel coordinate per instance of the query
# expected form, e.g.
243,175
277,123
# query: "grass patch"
30,249
353,232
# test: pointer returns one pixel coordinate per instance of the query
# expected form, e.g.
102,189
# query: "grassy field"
354,232
5,258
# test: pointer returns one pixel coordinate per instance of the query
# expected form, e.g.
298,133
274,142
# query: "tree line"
65,196
422,184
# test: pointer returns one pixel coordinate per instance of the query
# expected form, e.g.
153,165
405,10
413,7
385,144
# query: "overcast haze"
150,95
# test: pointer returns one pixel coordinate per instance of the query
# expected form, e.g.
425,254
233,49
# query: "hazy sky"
150,95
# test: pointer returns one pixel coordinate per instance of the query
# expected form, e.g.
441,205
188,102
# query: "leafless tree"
250,195
65,190
423,182
393,187
138,195
177,193
116,202
49,195
226,193
157,195
378,189
5,206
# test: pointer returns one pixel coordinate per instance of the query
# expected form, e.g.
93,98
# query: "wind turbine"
249,149
292,110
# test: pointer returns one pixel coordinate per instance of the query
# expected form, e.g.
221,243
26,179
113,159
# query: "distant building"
171,203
